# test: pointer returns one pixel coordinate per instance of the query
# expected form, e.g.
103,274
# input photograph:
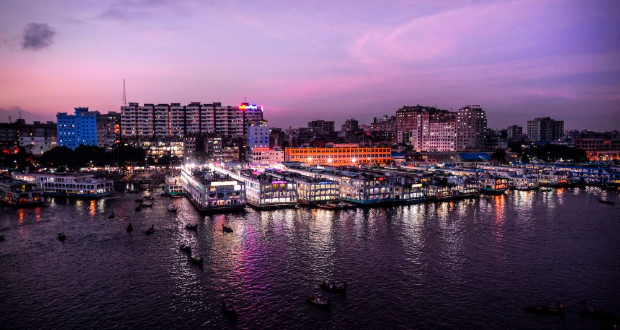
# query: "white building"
38,137
265,156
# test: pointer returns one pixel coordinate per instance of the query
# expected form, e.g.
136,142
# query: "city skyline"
519,60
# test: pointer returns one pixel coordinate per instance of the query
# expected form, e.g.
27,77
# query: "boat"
227,229
540,309
191,227
326,206
318,301
185,248
1,238
145,204
173,186
210,191
334,287
78,185
172,208
138,208
149,198
111,216
129,228
139,200
62,237
150,230
19,193
195,261
228,310
603,201
545,189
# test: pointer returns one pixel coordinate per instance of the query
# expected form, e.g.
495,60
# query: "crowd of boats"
232,187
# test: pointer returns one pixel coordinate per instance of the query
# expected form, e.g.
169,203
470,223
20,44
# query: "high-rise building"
258,135
38,137
545,129
471,122
322,126
434,130
108,130
78,129
350,125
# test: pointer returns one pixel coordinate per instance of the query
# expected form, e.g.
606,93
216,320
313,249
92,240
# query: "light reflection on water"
432,265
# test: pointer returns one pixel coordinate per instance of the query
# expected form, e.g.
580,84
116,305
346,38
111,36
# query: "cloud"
115,15
37,36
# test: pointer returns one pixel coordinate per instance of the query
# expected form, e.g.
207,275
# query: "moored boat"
227,229
608,202
334,287
185,248
150,230
172,208
318,301
194,260
62,237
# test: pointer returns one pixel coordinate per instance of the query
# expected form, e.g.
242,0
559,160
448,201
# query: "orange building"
339,155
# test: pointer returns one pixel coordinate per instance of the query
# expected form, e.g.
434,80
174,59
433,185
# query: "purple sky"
306,60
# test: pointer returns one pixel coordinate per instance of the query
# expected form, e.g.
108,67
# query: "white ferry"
210,191
19,193
79,185
173,186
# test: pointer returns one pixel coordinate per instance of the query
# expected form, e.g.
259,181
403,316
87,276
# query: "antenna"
124,94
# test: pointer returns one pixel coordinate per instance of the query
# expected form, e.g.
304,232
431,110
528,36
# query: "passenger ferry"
19,193
210,191
79,185
173,186
493,185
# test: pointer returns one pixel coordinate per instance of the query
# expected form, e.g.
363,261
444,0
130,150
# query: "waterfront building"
340,155
313,190
471,123
265,156
9,136
599,146
19,193
545,129
78,129
38,137
211,191
80,185
494,185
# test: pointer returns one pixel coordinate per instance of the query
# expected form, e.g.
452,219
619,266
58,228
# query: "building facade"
471,123
339,155
258,135
38,137
78,129
323,127
545,129
108,130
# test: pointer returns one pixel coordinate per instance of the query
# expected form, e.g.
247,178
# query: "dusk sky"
306,60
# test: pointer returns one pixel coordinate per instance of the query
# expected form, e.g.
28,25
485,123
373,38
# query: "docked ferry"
18,193
78,185
493,185
210,191
173,186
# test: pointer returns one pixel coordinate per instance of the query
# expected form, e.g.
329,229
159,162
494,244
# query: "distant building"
9,136
265,156
471,123
599,146
108,130
76,130
38,137
340,155
258,135
350,125
514,133
383,129
323,127
545,129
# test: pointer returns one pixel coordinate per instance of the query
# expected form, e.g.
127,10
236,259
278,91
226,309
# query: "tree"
499,156
59,156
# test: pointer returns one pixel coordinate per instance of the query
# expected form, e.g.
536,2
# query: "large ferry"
210,191
19,193
79,185
173,186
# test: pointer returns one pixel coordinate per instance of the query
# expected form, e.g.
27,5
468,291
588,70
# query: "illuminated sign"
274,182
249,107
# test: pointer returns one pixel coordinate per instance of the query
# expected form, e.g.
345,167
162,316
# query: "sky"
306,60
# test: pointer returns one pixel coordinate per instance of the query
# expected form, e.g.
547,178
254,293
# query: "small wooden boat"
62,237
334,287
227,229
185,248
150,230
111,216
172,208
149,198
195,261
129,228
139,200
1,238
191,227
603,201
318,301
326,206
145,204
540,309
228,310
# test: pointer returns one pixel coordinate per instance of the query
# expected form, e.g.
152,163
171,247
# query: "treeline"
86,156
